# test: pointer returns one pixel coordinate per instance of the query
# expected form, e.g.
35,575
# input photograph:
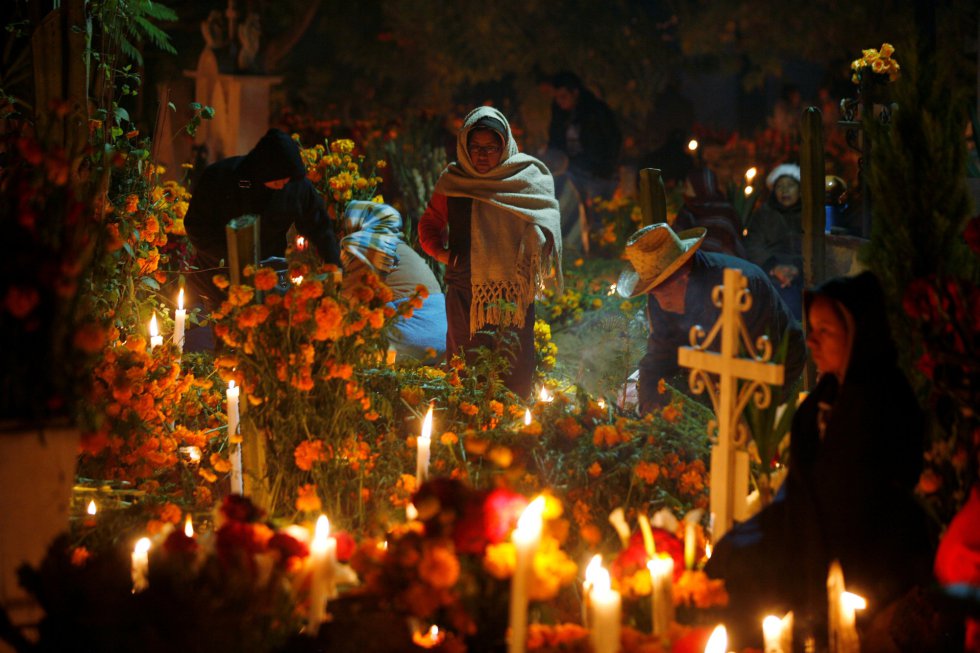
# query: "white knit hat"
783,170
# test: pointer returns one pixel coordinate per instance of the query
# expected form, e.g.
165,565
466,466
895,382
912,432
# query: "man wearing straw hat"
678,279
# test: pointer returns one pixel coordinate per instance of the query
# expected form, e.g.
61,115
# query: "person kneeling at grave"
373,244
855,458
677,279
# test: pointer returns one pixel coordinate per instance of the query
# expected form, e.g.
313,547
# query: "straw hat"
655,253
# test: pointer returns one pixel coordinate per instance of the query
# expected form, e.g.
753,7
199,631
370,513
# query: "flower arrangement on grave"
301,357
341,175
875,62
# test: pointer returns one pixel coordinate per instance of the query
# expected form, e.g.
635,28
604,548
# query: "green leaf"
171,106
120,113
150,282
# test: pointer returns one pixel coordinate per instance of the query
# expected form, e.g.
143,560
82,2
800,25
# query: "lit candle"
526,538
424,443
545,396
188,527
92,508
661,569
595,564
428,639
750,174
778,633
690,543
527,417
179,316
718,642
300,243
843,637
606,605
411,512
141,564
237,482
323,558
155,338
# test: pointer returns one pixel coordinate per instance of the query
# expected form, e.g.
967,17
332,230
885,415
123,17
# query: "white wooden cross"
729,459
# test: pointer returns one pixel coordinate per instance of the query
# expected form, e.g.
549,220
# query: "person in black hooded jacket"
270,181
855,457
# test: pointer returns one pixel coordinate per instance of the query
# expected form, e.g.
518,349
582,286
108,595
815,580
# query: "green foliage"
916,179
128,23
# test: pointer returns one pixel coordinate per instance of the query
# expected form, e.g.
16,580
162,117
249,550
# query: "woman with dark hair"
493,220
855,458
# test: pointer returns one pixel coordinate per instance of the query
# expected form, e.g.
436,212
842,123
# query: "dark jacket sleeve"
660,361
206,215
314,224
770,316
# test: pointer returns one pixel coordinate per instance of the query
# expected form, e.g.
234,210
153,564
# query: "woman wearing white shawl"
493,219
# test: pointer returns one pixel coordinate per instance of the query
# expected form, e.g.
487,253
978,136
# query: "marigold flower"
220,281
500,559
449,438
648,472
569,427
468,409
501,457
671,413
307,499
595,469
307,453
439,567
266,279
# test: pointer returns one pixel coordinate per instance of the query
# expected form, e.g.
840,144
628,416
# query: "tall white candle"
661,592
526,538
778,633
141,564
843,636
180,315
718,642
606,606
591,572
155,338
323,559
424,443
235,446
690,543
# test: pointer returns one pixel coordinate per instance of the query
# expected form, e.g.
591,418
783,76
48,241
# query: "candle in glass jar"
526,538
180,315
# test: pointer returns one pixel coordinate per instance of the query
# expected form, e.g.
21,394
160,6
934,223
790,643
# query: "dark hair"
484,128
567,80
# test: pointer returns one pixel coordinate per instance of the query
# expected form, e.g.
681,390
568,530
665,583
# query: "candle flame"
527,417
749,190
592,570
180,300
154,330
530,522
297,280
751,173
427,424
601,403
320,535
383,545
544,395
718,642
411,512
231,384
707,550
92,508
429,639
300,243
612,290
142,545
772,627
853,601
692,144
188,527
661,565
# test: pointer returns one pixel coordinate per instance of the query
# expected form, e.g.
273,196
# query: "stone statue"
249,36
214,31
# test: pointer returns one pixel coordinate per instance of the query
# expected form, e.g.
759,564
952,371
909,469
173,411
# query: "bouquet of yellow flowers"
879,62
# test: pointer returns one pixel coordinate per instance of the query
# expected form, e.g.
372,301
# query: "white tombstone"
729,459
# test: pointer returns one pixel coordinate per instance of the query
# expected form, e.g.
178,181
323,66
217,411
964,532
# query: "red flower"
634,557
345,546
237,508
288,546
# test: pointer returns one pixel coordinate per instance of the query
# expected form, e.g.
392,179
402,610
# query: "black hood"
275,156
872,348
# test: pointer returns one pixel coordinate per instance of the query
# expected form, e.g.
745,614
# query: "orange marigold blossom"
240,295
648,472
439,567
307,499
671,413
307,453
595,469
266,279
449,438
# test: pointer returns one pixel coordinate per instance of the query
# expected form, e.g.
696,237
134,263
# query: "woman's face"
485,150
787,191
827,337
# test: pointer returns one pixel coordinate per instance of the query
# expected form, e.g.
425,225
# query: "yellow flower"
500,560
887,50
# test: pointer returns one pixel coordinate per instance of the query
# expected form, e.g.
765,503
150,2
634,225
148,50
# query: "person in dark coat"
774,240
585,129
270,181
678,279
855,458
705,206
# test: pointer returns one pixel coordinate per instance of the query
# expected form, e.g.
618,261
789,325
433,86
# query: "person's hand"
785,274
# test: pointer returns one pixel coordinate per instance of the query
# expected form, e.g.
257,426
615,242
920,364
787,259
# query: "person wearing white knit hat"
774,240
